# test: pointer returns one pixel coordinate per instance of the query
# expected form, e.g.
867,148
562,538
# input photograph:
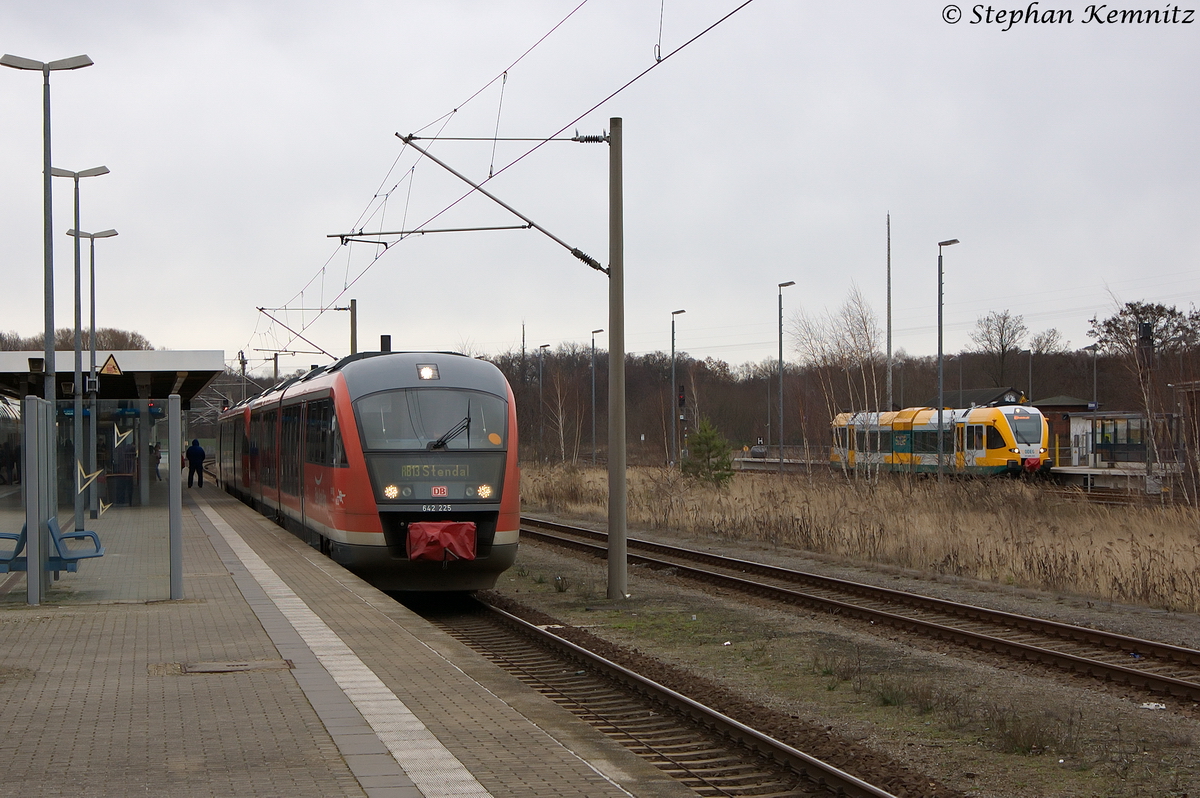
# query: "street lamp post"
74,62
77,385
541,404
594,332
781,287
1095,350
941,384
92,386
674,456
1031,375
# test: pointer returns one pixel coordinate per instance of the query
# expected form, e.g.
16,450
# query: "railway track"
1157,667
709,752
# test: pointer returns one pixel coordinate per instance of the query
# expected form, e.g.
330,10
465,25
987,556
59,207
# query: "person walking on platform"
195,461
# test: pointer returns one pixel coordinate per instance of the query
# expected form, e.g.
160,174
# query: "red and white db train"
400,466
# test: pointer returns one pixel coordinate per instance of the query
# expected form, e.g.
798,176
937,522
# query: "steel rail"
824,774
1156,682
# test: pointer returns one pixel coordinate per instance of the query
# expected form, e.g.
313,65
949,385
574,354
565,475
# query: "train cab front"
445,484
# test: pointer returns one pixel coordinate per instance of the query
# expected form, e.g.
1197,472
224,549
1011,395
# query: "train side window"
841,437
994,439
316,432
975,437
885,440
289,472
337,451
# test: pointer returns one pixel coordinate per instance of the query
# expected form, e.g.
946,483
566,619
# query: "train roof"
370,372
389,371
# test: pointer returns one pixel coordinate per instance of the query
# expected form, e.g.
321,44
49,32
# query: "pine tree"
708,457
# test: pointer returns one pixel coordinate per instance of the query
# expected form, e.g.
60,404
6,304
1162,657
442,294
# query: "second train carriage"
978,440
351,455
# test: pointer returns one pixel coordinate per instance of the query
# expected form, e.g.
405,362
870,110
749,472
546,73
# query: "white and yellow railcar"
977,440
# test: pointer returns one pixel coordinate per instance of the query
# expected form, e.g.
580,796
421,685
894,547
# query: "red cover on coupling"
441,540
1033,463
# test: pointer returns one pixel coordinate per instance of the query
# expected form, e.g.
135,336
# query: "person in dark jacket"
195,461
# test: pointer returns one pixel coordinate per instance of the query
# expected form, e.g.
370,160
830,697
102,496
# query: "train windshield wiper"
453,432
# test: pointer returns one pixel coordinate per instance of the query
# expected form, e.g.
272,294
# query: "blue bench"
63,558
10,560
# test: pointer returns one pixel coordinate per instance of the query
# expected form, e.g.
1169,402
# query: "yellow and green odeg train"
1005,439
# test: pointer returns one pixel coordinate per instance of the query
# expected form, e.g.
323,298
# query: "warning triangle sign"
111,368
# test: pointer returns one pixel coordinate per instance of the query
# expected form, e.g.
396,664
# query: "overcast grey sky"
241,134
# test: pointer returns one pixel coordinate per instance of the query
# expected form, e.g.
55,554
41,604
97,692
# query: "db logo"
439,490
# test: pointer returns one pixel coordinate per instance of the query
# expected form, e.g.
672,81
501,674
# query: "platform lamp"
594,332
1095,350
74,62
781,287
541,403
92,385
674,457
941,444
95,171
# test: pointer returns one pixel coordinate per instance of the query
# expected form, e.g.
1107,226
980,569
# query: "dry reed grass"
1000,530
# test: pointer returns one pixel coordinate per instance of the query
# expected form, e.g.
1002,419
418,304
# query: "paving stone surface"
95,700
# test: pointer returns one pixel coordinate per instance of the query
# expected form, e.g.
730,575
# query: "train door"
902,445
960,446
301,461
975,448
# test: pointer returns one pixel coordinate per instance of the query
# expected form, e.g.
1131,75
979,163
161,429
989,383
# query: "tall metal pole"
93,405
175,495
353,326
594,394
77,438
90,384
1095,352
889,313
48,384
674,457
48,390
541,404
941,384
617,498
77,381
781,287
670,401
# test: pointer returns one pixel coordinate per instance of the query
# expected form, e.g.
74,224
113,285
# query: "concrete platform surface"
278,674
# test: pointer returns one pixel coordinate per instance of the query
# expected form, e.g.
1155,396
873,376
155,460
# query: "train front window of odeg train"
432,419
1026,427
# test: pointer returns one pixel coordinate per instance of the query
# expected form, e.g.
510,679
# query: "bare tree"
64,340
1049,342
998,335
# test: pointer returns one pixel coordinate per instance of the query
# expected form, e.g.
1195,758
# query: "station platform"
278,674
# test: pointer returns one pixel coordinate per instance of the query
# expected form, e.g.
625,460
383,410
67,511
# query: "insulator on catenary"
590,139
589,260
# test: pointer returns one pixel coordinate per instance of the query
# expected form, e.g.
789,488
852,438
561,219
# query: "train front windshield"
433,419
1026,427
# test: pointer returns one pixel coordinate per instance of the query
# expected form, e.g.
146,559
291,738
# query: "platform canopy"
163,371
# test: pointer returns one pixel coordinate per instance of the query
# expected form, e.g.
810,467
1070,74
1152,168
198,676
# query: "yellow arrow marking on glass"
85,478
120,438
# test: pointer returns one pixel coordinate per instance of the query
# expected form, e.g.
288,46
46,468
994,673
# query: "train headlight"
1015,451
427,371
469,491
1042,450
406,491
391,492
484,491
